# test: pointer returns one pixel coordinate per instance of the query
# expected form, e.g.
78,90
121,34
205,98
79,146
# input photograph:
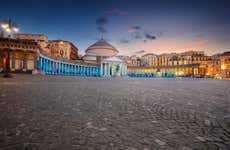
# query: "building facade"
41,40
225,65
56,48
23,55
32,53
191,63
63,49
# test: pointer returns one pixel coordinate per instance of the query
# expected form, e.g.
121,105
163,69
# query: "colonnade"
55,67
164,72
113,69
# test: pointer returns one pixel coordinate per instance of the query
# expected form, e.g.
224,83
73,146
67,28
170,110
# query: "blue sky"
131,26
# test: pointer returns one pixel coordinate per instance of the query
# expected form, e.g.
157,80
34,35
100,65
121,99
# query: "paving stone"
161,143
61,112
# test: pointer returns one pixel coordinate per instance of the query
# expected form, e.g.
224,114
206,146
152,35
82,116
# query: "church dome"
101,48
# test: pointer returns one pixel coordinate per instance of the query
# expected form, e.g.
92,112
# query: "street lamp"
9,27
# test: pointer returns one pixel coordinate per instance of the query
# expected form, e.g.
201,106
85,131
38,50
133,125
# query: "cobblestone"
55,112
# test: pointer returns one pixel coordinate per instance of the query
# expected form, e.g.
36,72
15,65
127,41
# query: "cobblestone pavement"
67,113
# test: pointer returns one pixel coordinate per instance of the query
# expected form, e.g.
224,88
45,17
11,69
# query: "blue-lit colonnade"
55,67
113,69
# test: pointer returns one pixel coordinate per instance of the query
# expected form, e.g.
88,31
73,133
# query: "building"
104,54
191,63
41,39
225,65
63,49
24,55
56,48
34,52
134,61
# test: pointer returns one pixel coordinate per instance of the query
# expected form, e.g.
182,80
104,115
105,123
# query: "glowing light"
223,67
4,26
180,73
15,29
8,30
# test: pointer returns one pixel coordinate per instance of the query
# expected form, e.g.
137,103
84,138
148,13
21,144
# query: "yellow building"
225,65
23,55
191,63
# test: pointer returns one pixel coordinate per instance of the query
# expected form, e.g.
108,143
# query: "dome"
101,48
89,57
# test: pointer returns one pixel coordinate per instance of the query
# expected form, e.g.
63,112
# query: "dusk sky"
133,27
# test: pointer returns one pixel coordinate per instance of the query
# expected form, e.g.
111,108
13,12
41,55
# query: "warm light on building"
223,66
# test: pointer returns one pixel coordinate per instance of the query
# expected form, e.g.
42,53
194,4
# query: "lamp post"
9,27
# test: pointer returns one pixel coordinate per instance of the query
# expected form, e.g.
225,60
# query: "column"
87,70
108,69
112,69
125,70
81,70
53,67
101,70
71,69
122,69
66,69
13,61
105,70
97,72
40,64
44,64
49,68
36,59
61,67
93,71
84,71
1,61
77,69
58,69
24,62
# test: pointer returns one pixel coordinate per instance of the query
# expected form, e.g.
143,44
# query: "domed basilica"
104,54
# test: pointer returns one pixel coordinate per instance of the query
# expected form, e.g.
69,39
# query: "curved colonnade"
55,67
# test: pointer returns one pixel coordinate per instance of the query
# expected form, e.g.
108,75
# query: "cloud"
116,11
160,34
140,52
137,35
149,36
134,29
101,22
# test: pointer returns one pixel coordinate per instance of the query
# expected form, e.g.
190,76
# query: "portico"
113,67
